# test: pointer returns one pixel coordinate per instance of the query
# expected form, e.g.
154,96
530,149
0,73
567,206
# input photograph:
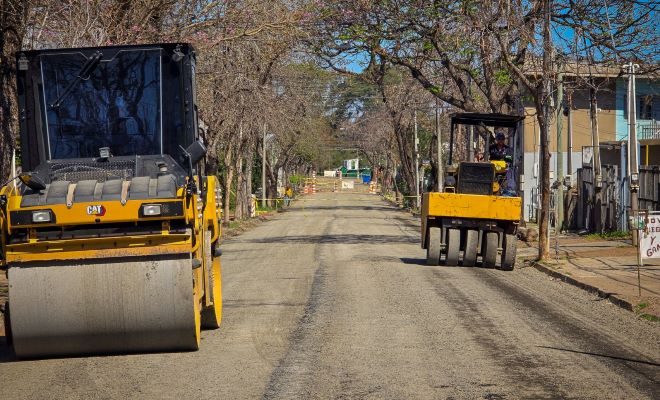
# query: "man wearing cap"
499,150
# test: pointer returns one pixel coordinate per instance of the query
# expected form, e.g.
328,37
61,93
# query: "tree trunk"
407,160
228,181
13,16
240,181
244,186
227,194
543,116
271,184
544,214
435,163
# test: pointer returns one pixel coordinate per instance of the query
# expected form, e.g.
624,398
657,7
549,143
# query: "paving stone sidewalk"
606,267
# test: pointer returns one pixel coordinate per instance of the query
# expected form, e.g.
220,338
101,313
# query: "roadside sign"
650,237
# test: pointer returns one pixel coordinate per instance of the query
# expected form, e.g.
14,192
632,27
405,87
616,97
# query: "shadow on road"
413,261
339,239
308,207
654,364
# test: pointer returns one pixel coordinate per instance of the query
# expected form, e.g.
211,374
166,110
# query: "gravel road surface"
333,300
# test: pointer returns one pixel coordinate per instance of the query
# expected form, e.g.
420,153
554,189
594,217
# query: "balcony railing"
649,130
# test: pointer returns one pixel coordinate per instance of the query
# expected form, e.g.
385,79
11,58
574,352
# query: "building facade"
612,117
575,138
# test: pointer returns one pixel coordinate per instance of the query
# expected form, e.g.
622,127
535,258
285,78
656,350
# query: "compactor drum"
110,233
476,216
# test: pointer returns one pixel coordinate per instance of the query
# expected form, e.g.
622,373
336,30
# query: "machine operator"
499,150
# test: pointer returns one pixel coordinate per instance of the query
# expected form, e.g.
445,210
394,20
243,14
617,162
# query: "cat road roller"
110,232
477,214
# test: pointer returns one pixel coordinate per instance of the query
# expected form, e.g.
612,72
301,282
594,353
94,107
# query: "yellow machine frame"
478,223
108,247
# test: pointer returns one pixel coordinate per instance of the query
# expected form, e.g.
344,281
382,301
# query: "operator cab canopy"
107,113
484,120
493,120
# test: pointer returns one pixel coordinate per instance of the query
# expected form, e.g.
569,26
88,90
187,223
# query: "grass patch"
614,235
279,204
649,317
641,306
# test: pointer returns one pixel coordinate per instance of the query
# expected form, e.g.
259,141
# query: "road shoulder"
607,269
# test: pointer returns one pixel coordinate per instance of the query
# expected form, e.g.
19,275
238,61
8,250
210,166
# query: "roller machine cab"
110,233
476,216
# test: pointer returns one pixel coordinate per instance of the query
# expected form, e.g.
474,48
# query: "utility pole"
632,144
263,169
441,168
569,141
416,163
560,155
595,136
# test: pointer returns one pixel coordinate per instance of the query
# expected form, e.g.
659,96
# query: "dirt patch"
238,227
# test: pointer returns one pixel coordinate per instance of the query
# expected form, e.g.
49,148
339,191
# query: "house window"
645,107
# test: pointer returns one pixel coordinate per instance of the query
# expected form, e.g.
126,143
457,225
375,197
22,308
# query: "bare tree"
477,56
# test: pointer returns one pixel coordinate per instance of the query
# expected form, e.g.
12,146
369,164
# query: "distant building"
352,164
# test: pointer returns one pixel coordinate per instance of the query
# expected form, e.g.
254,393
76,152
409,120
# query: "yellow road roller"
476,215
110,232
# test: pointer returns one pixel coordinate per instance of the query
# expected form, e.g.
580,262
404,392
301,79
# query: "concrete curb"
625,304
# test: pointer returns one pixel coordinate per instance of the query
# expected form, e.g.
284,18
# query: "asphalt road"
333,300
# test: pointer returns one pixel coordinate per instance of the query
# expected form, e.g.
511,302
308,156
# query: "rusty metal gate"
649,188
602,213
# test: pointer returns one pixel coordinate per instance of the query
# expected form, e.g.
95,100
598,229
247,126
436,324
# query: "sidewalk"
606,267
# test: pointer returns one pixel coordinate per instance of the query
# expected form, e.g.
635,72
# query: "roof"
146,46
495,120
584,68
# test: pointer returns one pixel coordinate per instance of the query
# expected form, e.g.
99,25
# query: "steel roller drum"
114,305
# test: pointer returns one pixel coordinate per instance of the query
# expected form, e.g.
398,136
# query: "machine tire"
212,315
509,249
433,246
471,244
453,246
489,249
